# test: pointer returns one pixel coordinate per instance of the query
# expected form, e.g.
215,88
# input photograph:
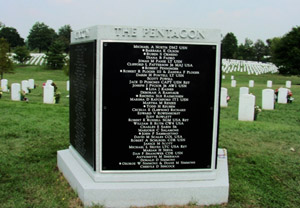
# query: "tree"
2,25
12,36
246,51
286,52
260,50
22,54
64,35
229,46
41,37
272,44
6,64
55,57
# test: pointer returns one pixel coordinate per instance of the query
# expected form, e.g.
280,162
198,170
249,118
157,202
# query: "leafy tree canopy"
246,51
2,25
6,64
41,37
64,35
229,46
22,54
286,52
55,57
260,50
12,36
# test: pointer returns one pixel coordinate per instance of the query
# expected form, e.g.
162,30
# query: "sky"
254,19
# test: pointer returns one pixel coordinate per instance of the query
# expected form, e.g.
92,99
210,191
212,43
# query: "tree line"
282,51
41,38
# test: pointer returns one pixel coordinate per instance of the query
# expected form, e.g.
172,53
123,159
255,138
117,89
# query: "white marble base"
145,193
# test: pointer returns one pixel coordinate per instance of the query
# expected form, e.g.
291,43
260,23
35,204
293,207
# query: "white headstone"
268,97
224,97
232,77
68,85
233,83
269,83
48,94
25,86
251,83
282,95
223,76
244,90
49,82
31,83
246,107
16,91
288,84
4,85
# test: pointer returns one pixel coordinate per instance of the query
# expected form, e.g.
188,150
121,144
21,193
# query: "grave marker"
135,118
269,83
224,97
268,98
31,84
68,85
49,82
282,95
233,83
251,83
16,92
288,84
244,90
4,83
25,86
48,95
246,107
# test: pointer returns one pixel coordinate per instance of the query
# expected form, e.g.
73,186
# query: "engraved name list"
158,102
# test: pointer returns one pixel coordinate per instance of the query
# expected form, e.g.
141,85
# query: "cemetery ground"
263,156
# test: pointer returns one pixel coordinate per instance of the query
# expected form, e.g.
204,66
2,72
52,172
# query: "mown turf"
263,156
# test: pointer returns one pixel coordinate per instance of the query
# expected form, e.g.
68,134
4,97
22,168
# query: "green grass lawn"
263,156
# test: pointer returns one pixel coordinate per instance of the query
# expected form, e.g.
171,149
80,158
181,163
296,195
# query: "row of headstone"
16,89
26,84
48,89
247,101
288,83
251,67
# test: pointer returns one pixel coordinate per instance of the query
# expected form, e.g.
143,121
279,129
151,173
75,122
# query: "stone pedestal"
119,193
141,132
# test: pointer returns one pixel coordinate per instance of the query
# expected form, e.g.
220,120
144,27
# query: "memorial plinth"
144,116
